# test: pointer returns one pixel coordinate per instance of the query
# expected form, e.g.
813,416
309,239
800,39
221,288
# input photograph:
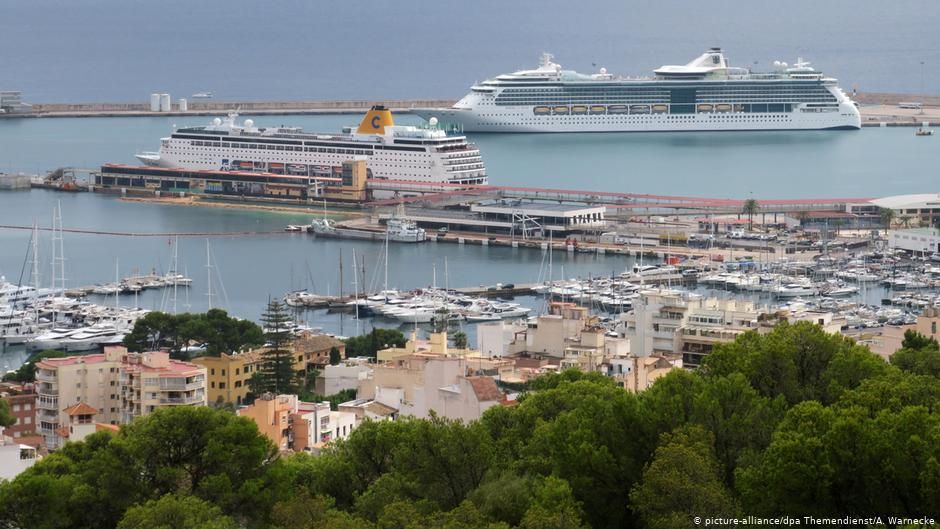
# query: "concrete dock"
876,108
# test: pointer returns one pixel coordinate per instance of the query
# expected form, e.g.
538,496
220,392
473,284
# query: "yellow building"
228,375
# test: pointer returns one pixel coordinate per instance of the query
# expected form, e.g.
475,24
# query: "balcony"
45,375
48,402
192,399
191,386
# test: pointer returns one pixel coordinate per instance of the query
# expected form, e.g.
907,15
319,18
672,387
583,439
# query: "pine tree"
277,373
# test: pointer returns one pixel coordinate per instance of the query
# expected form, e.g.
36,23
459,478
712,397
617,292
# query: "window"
236,371
212,385
212,371
223,372
933,327
221,385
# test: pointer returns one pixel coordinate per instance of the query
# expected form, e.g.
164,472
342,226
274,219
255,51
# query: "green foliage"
460,339
335,399
276,373
919,355
335,356
794,422
27,371
916,340
176,512
847,459
216,329
799,362
683,480
369,344
6,416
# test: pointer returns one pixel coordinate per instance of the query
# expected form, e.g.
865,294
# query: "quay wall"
212,107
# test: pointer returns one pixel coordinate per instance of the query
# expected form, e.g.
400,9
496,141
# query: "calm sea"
872,162
115,50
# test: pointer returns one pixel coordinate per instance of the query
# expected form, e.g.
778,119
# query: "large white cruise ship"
704,95
394,152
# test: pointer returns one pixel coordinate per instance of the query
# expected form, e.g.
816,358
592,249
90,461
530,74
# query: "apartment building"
670,322
421,378
22,401
292,424
228,375
118,384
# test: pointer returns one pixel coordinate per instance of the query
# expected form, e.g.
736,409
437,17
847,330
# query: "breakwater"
212,107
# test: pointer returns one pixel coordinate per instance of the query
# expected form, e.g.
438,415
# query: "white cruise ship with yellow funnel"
393,152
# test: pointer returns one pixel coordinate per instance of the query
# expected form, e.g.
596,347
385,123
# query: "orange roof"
68,360
63,432
80,409
485,389
99,426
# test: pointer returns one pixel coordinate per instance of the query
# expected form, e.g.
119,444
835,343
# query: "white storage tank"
155,102
165,103
184,105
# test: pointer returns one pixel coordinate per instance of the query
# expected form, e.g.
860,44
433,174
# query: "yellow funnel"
376,120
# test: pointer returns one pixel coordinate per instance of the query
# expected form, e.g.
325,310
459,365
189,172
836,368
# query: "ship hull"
522,119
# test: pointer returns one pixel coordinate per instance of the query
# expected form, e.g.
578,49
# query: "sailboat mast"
209,274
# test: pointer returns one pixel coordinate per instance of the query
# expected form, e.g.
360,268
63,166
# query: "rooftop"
80,409
918,201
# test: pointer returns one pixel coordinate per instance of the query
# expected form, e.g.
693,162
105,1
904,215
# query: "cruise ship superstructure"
706,94
394,152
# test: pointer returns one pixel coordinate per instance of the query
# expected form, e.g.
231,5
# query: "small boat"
202,95
705,107
579,109
293,227
598,109
540,111
617,109
725,107
560,110
639,109
923,132
660,109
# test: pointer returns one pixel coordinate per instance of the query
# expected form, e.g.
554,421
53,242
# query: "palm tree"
751,207
905,220
887,217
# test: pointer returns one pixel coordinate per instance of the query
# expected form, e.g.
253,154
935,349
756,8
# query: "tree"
176,512
335,356
905,220
216,330
6,416
682,481
460,339
276,373
750,208
27,371
887,216
795,361
924,360
369,344
201,451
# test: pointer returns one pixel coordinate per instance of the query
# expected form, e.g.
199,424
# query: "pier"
877,109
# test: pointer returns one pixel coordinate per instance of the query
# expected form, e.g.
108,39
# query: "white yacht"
392,152
707,94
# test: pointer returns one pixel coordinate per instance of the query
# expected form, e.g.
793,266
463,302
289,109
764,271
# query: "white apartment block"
671,322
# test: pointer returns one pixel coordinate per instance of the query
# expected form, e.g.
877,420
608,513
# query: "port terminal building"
519,218
348,183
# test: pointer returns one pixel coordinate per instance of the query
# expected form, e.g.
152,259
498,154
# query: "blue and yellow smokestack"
376,120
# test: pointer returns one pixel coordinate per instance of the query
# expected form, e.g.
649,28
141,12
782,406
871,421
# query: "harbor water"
872,162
